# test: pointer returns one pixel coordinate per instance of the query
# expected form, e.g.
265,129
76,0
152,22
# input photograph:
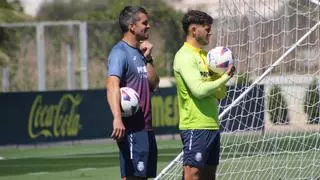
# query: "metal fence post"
5,79
41,57
84,55
70,59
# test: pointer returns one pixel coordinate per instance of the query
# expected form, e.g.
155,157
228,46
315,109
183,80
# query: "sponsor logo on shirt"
142,70
205,74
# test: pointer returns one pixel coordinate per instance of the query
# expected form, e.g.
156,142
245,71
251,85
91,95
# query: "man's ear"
192,29
131,27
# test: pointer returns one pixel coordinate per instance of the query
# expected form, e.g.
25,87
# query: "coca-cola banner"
35,117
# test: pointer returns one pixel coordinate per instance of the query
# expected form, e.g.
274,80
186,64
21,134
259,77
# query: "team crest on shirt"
198,157
140,166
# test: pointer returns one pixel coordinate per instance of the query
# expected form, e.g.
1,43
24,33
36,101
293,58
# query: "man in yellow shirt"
198,89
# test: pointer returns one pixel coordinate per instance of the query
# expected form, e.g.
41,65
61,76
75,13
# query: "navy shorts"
200,147
138,154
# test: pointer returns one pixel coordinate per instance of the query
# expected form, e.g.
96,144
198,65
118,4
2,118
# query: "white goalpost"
271,121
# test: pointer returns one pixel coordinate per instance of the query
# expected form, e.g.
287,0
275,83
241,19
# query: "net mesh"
273,132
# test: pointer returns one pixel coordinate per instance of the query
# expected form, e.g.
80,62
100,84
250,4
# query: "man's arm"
191,76
221,92
153,77
113,98
116,68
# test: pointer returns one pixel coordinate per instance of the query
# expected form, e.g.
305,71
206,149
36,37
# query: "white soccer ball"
129,101
219,58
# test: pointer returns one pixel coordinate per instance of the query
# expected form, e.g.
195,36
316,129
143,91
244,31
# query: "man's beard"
202,41
142,38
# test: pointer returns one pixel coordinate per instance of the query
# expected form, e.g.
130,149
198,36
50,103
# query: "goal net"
270,118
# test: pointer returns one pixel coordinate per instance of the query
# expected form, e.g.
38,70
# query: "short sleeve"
116,63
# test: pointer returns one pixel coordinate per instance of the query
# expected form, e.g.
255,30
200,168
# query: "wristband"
149,60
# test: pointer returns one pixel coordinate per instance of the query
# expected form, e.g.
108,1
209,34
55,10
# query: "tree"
103,28
9,12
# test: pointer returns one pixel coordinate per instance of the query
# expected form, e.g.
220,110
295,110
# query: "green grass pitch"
78,162
252,156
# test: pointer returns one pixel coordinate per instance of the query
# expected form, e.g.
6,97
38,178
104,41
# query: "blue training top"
128,63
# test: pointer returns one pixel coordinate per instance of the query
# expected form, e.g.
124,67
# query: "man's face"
141,26
202,34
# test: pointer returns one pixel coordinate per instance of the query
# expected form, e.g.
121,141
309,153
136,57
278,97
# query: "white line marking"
86,169
38,173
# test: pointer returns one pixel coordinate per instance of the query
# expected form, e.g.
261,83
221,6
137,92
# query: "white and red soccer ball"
129,101
219,59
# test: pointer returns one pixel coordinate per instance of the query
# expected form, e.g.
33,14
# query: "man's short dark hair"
195,17
128,16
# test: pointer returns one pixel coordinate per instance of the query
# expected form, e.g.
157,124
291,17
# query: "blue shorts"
138,154
200,147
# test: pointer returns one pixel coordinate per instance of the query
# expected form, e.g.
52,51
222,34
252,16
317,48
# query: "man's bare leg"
191,173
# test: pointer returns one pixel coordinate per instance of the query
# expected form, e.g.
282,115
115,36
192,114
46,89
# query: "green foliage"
8,45
103,28
243,79
4,4
311,103
278,107
4,59
9,12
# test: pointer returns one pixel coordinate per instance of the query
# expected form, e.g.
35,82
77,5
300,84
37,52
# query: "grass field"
78,162
244,157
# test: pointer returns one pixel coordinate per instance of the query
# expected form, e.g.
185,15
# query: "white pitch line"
86,169
38,173
1,158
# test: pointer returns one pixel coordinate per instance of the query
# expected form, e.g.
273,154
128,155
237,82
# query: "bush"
278,107
312,104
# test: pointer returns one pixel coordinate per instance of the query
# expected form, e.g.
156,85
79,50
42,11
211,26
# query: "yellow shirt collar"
188,45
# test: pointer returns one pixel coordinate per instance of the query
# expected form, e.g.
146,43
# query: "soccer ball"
129,101
219,58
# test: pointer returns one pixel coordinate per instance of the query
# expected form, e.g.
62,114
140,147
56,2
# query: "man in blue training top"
130,65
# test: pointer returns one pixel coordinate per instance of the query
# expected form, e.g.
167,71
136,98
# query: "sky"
31,6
